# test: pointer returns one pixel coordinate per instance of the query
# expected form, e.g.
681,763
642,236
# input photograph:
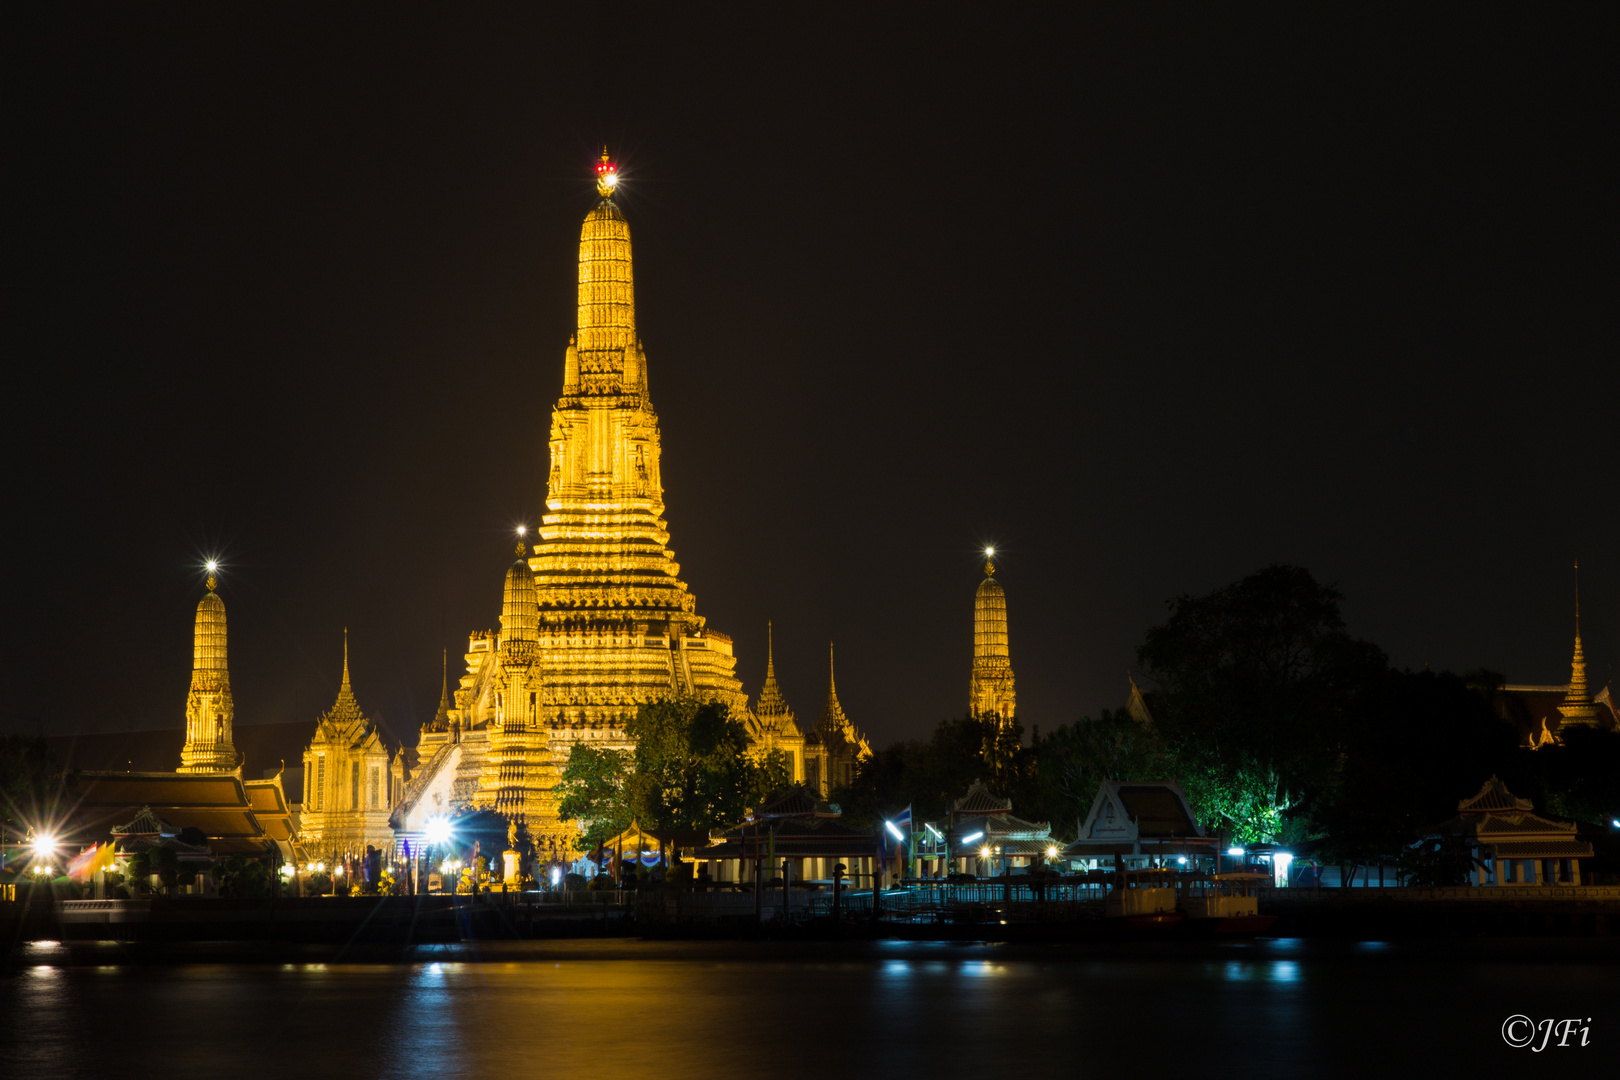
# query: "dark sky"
1149,300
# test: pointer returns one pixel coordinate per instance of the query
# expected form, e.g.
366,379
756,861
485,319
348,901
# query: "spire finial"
1577,599
832,681
345,687
770,651
607,175
212,567
989,563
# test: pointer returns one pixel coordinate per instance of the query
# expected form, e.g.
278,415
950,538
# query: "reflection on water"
558,1008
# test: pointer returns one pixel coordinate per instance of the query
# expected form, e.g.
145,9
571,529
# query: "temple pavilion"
794,826
987,837
1134,826
1512,844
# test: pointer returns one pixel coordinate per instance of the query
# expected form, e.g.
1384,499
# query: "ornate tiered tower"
596,621
517,777
1577,706
836,745
771,723
617,625
990,692
209,708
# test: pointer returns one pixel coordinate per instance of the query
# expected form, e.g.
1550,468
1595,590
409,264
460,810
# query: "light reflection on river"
678,1010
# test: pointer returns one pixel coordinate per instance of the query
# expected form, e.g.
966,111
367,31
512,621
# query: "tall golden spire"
990,689
346,709
771,701
607,293
443,715
1578,707
832,716
210,709
520,616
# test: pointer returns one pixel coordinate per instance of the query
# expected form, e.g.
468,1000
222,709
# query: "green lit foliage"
691,769
593,789
1257,683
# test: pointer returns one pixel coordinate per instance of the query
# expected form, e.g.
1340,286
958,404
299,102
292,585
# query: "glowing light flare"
44,845
973,837
211,565
984,852
437,830
989,552
898,835
1234,851
1051,851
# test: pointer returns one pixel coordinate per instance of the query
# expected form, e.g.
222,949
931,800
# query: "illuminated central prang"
603,623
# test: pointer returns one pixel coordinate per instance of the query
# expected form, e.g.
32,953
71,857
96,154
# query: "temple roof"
978,800
795,800
999,826
1493,795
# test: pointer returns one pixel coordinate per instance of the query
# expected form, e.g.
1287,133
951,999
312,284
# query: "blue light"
970,839
1234,851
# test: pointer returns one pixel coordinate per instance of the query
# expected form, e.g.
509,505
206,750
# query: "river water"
672,1010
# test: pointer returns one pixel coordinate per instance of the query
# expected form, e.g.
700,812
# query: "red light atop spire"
607,175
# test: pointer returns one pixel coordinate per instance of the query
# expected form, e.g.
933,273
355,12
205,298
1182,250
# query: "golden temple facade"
209,707
352,780
820,757
990,690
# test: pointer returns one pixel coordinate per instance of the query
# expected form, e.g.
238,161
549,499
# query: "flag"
902,820
80,867
106,857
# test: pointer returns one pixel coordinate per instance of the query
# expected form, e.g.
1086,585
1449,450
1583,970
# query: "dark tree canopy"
1256,684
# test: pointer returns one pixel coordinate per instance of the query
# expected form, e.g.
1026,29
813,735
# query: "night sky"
1149,301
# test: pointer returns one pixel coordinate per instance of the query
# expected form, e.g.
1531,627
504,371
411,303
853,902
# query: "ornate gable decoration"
978,800
1493,795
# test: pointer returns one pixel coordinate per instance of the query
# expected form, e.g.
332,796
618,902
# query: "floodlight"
970,839
898,835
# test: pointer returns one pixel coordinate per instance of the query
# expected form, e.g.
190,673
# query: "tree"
1415,744
1577,778
34,791
166,865
1256,683
1070,764
244,878
594,790
690,771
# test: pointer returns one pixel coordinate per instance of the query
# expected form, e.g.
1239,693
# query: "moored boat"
1225,905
